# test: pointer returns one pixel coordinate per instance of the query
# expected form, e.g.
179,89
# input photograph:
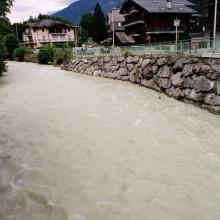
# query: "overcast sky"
22,9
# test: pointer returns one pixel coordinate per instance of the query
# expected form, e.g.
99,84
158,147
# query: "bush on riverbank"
11,43
3,55
20,53
61,56
46,54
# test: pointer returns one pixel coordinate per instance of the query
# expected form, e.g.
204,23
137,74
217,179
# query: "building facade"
48,32
208,19
115,21
151,21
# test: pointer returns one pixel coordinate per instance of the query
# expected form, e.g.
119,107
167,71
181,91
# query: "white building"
48,31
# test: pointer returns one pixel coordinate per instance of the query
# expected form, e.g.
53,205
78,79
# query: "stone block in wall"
164,83
140,62
95,59
217,87
205,69
193,95
97,73
114,61
187,70
114,75
175,92
147,72
178,66
125,78
131,77
148,83
212,99
100,61
202,84
161,61
213,75
107,59
129,59
114,68
123,71
155,69
177,79
123,64
188,83
121,59
196,68
172,60
214,109
130,67
145,63
106,67
136,59
165,72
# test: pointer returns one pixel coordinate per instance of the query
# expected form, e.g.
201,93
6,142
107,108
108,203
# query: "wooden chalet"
150,21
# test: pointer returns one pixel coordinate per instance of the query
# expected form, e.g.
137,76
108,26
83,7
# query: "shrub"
10,43
61,56
19,53
3,55
46,54
32,57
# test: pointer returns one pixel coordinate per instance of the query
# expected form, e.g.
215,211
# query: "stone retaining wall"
189,79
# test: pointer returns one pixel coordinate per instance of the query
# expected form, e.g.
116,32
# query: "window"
119,24
42,29
206,12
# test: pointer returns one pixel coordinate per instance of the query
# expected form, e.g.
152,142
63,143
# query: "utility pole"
176,24
113,29
16,28
215,21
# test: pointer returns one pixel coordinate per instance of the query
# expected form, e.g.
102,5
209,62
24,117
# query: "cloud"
23,9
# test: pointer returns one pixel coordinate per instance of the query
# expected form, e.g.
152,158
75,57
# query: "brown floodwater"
76,147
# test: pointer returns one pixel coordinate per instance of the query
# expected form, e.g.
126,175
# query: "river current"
76,147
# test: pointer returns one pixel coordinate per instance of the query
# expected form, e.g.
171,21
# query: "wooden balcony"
162,30
133,23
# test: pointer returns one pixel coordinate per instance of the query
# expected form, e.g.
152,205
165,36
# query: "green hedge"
61,56
46,54
3,55
20,52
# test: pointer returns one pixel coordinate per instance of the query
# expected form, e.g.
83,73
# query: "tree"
83,36
10,43
3,54
86,23
5,6
99,25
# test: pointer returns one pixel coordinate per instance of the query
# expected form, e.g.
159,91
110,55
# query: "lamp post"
215,21
176,24
113,29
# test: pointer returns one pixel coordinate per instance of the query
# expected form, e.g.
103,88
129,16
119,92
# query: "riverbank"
188,79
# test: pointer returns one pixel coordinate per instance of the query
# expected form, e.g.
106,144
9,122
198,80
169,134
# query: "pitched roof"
118,18
47,23
160,6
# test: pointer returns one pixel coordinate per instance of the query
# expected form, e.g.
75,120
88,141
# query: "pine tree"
99,25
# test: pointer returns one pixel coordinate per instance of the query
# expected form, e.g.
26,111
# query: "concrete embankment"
189,79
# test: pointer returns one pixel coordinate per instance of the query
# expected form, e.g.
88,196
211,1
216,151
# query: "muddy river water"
75,147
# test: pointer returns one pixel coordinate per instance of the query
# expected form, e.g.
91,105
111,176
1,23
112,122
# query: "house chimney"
169,4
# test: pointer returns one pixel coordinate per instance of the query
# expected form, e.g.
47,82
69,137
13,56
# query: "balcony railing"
159,30
132,22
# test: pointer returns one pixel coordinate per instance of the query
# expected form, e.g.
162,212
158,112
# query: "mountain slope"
74,11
